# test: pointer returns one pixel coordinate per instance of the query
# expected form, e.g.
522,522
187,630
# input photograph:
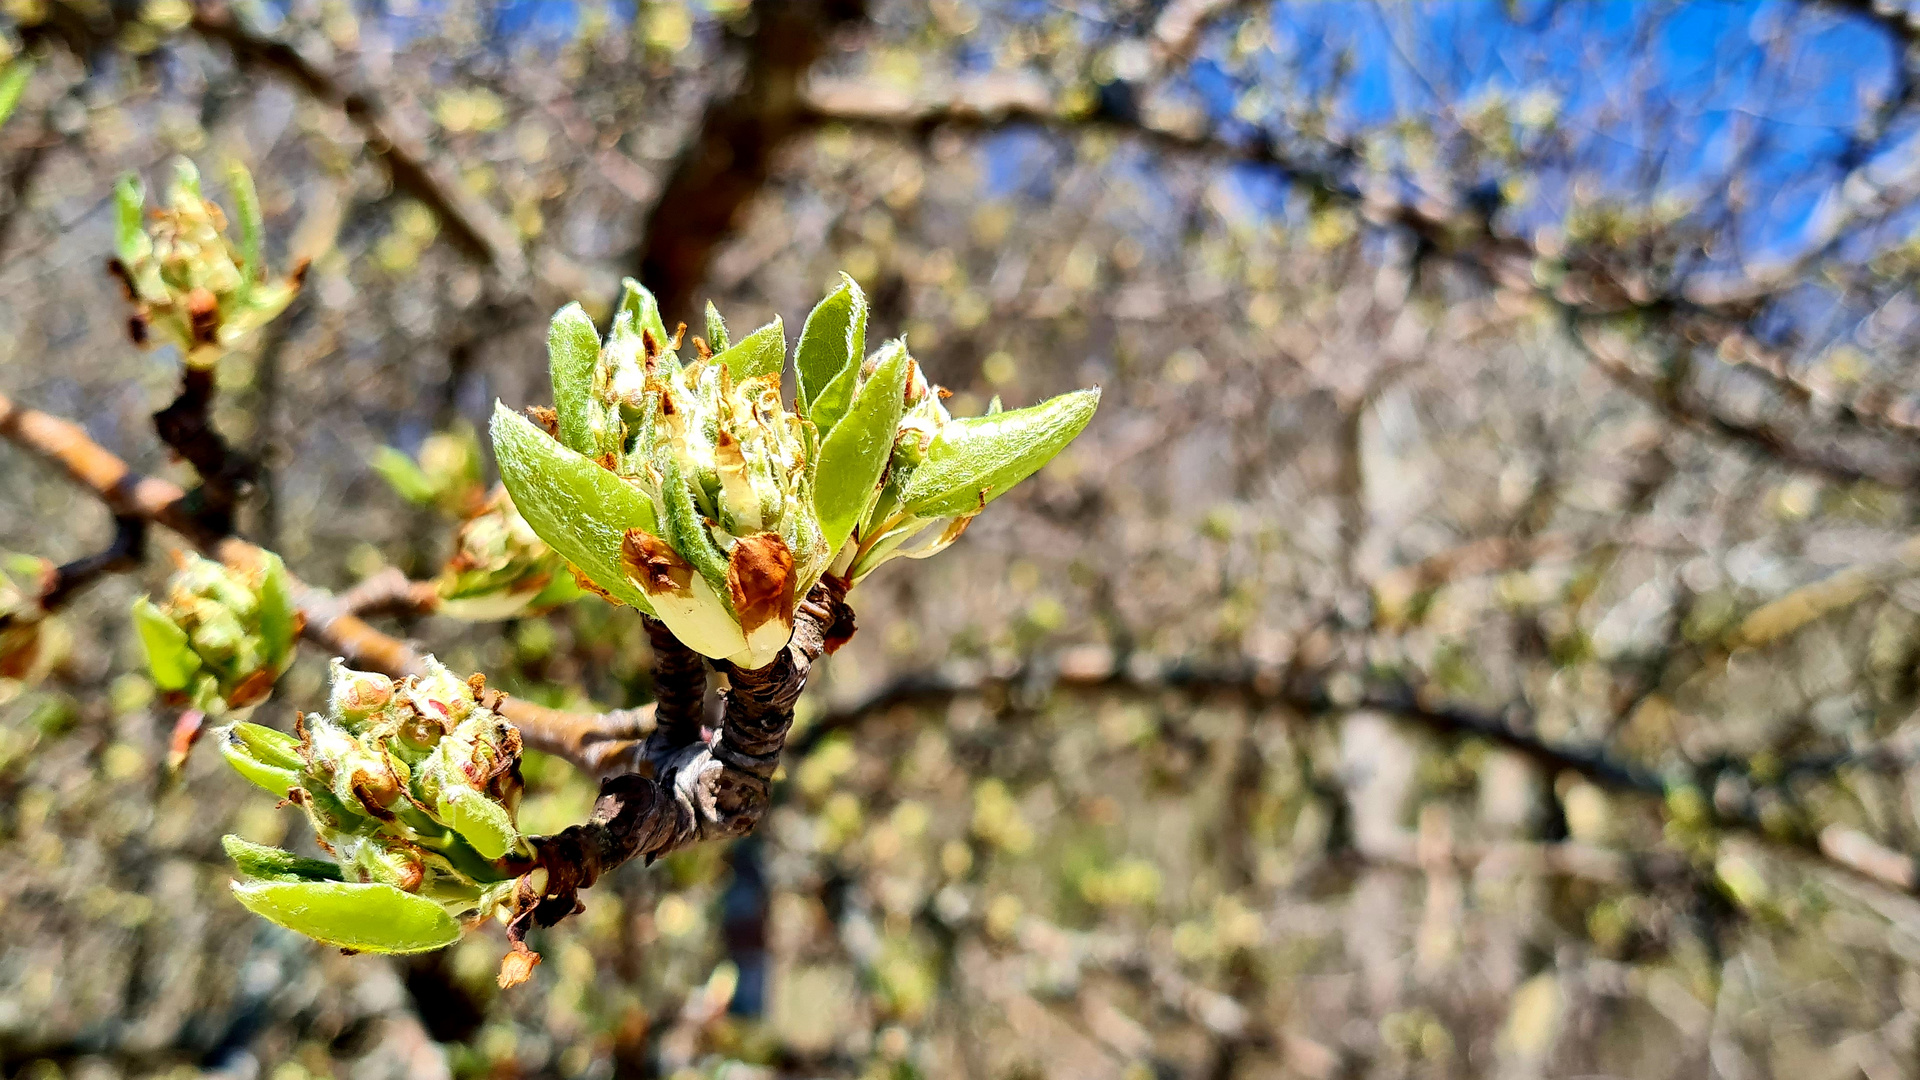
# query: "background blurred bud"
220,636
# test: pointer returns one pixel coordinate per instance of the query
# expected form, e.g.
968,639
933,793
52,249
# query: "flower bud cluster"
191,285
411,788
220,635
500,569
689,490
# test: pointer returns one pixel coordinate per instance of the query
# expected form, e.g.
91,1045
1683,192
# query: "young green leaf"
279,620
131,242
13,83
581,510
717,338
763,352
853,457
246,205
973,461
481,821
404,476
363,916
833,339
645,310
170,658
269,758
263,863
573,349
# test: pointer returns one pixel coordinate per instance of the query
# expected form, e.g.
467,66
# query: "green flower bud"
220,635
189,283
357,695
411,788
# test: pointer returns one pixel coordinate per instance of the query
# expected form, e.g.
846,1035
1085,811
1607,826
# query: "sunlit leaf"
170,659
853,457
763,352
363,916
581,510
834,338
974,461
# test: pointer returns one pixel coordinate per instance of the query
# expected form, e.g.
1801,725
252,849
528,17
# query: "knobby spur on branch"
670,476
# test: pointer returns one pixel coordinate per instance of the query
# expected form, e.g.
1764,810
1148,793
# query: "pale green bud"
189,283
220,635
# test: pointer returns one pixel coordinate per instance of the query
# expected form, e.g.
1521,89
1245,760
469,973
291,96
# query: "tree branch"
125,552
682,794
679,687
727,162
1338,693
186,427
590,741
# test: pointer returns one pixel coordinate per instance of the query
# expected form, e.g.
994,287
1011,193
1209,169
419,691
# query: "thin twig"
62,582
186,427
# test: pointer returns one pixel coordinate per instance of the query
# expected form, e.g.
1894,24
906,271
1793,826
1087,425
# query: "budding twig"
679,687
595,742
697,791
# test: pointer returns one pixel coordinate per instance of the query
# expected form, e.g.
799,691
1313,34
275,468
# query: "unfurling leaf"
833,338
269,758
853,458
262,863
573,351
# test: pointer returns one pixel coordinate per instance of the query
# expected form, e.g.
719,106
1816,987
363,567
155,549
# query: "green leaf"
246,205
170,658
279,621
479,820
833,340
404,476
974,461
269,746
831,403
269,758
363,916
13,83
130,224
717,338
645,310
581,510
686,529
573,351
763,352
854,456
263,863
